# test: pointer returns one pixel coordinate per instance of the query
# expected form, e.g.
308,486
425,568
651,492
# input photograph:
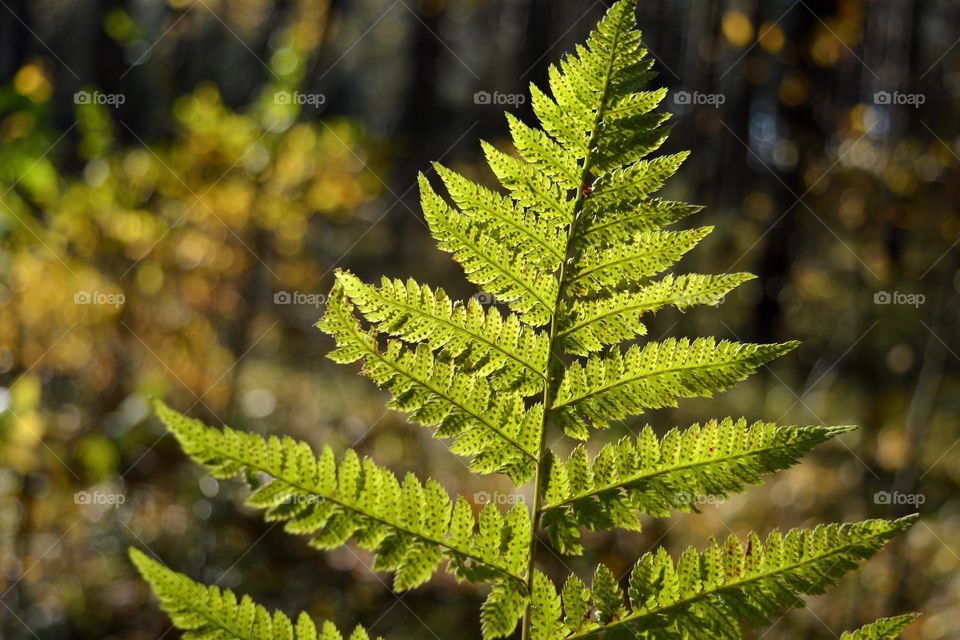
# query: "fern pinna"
574,251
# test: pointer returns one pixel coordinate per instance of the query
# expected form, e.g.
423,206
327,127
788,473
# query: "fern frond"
502,610
635,181
530,292
571,245
530,188
209,613
611,66
567,131
882,629
410,526
525,233
614,267
587,326
705,595
546,611
511,353
544,154
496,429
627,109
644,133
653,376
611,224
631,477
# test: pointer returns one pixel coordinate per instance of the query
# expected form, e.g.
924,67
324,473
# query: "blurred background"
179,179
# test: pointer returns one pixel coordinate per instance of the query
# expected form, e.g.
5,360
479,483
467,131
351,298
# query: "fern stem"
552,341
547,392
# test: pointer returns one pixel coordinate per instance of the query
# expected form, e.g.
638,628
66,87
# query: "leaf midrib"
552,340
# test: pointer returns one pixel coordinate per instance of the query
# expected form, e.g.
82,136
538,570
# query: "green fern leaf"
635,181
530,188
576,603
882,629
571,246
410,526
546,610
502,609
512,354
595,270
587,326
544,154
607,596
565,130
656,477
644,132
209,613
705,595
651,377
527,234
617,223
487,263
495,428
